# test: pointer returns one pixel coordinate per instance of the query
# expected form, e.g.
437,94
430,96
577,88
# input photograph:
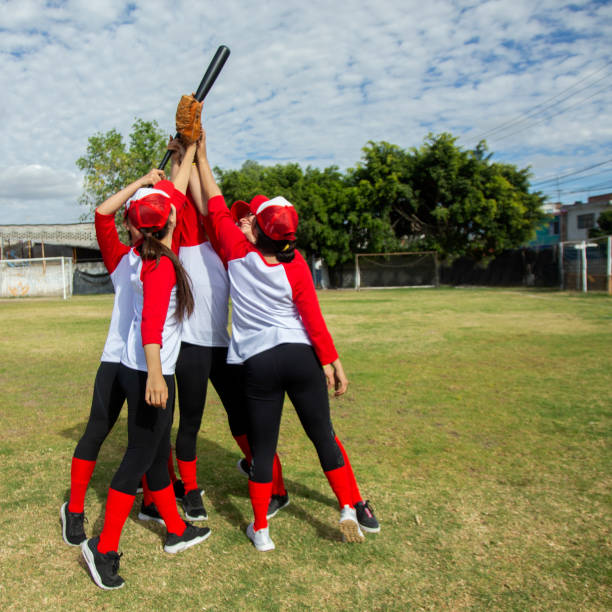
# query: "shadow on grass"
217,475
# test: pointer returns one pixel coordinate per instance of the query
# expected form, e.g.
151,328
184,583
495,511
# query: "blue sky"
306,82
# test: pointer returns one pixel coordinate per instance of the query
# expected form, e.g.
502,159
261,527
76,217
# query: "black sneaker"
150,513
179,489
243,467
365,517
103,567
191,536
193,506
139,488
72,526
277,502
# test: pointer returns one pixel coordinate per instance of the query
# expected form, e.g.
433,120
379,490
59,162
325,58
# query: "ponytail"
283,250
152,249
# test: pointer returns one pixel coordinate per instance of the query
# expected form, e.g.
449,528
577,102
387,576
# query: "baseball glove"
189,119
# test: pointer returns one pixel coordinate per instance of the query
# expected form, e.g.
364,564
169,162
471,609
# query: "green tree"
604,225
311,192
334,222
109,165
446,199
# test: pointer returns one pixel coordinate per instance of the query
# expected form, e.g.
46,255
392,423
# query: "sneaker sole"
269,516
147,517
369,529
351,532
195,517
88,556
64,523
266,548
176,548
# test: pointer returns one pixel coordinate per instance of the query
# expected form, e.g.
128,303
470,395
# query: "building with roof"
76,241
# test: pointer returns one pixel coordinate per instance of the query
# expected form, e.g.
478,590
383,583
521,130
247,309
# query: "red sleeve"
157,284
307,304
231,241
178,199
210,232
111,247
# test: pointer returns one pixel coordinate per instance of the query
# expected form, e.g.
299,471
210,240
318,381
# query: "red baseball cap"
277,217
241,209
149,208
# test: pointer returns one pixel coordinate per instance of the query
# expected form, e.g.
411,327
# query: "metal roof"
71,234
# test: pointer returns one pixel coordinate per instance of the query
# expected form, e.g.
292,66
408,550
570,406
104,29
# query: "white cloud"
306,82
36,182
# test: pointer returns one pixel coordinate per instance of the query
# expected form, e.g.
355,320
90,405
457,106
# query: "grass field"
478,423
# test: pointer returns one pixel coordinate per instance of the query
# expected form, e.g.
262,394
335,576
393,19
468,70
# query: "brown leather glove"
189,119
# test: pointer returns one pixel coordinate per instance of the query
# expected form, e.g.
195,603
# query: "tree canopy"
604,225
440,197
109,166
334,223
434,197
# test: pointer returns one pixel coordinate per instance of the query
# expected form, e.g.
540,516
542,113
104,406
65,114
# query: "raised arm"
116,201
207,179
181,180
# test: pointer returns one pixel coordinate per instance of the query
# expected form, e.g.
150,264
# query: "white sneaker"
260,538
349,526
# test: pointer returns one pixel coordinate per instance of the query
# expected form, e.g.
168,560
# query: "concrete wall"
30,278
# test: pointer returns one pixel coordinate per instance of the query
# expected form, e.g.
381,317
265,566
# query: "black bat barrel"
210,76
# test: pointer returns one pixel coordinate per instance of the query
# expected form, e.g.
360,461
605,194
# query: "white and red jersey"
207,325
272,304
119,260
145,297
153,316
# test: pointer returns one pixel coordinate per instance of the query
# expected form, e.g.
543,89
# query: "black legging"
148,446
293,368
194,367
107,401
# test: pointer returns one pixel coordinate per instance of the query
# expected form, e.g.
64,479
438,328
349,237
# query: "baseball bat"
210,76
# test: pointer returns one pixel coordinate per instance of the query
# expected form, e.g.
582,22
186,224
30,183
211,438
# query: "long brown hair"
152,249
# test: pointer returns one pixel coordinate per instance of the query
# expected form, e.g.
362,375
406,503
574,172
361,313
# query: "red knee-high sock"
355,494
147,498
260,493
165,503
278,485
339,481
118,506
187,470
80,475
171,471
243,443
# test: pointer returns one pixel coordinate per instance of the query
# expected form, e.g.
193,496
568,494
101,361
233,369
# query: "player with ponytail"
280,337
162,299
108,395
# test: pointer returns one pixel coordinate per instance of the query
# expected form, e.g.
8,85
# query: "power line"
572,173
550,116
548,103
587,189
